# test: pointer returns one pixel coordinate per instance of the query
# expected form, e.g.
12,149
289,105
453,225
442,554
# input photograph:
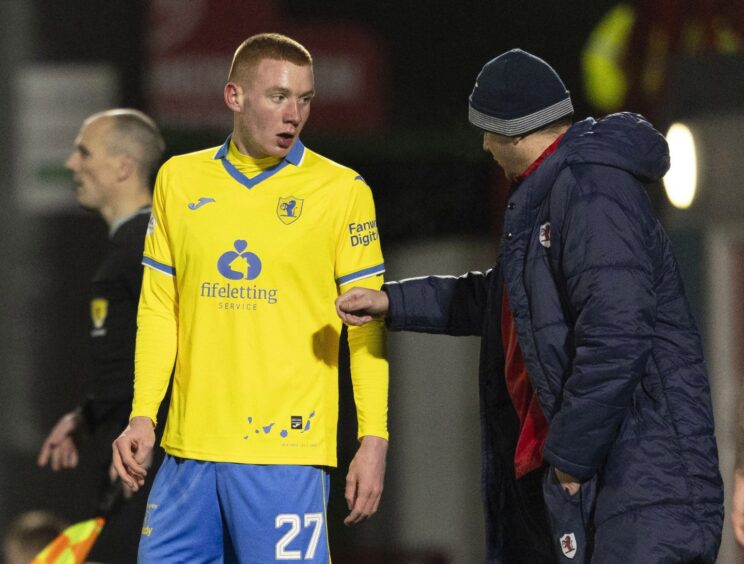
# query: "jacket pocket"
570,518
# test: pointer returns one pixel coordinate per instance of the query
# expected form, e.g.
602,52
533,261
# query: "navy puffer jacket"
611,348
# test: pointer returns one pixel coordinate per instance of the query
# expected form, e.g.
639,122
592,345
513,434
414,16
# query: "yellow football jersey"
245,260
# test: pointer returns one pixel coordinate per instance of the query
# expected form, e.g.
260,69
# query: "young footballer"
247,248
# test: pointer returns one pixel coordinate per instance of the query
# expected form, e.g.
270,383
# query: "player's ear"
126,168
234,96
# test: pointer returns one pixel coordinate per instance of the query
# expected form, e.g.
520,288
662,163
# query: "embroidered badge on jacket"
545,234
568,545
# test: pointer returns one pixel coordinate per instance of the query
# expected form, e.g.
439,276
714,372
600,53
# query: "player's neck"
125,206
238,155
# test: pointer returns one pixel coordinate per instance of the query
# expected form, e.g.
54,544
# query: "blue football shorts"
214,512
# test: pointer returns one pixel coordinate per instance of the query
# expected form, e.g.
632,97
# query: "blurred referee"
114,160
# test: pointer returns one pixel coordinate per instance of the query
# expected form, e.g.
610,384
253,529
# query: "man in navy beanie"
598,436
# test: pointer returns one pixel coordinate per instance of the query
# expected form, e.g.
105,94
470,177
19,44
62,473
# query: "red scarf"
533,427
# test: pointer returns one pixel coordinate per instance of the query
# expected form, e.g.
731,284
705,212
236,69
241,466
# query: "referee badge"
98,314
289,209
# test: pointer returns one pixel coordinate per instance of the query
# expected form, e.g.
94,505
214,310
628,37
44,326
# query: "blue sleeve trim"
159,266
366,273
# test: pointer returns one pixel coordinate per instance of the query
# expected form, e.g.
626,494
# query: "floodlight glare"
680,182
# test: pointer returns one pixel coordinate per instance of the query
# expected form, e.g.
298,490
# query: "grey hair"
134,133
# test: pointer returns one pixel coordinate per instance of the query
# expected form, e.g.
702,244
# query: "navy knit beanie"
516,93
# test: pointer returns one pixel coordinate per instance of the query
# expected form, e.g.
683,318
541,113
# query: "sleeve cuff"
578,470
395,319
153,418
383,434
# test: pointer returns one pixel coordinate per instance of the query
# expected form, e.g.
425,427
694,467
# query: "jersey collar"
294,157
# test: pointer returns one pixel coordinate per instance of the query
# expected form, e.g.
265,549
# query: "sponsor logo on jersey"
239,265
266,429
568,545
201,202
98,314
545,235
289,209
363,234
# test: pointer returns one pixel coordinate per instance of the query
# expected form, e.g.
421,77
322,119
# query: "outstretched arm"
433,304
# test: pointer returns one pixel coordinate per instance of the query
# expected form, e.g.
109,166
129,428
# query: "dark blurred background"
392,80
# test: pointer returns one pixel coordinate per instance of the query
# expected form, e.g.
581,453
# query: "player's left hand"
737,511
365,479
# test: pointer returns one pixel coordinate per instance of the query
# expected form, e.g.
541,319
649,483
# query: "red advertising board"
190,46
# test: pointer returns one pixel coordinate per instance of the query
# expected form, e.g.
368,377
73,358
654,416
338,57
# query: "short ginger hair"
267,46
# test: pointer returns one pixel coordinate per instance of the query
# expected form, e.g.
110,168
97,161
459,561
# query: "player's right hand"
132,452
59,448
361,305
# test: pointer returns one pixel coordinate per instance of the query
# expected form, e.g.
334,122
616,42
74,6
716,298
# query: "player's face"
94,169
274,102
504,152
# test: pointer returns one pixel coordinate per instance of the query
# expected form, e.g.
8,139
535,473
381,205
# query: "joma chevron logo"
200,203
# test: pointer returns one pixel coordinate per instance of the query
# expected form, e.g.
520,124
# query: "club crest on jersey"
289,209
98,313
568,545
545,234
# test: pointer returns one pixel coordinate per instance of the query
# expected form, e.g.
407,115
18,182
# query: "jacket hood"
624,140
